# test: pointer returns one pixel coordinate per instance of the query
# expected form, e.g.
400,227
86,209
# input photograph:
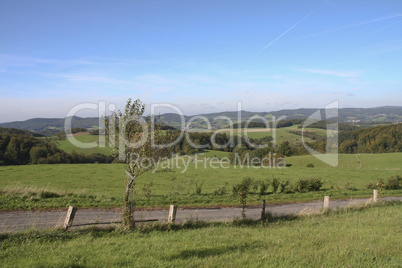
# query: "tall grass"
367,237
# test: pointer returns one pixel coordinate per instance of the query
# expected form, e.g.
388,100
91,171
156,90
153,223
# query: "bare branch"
128,173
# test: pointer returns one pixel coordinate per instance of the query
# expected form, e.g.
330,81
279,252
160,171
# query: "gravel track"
21,220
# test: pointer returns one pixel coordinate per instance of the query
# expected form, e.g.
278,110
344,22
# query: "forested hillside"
52,125
19,131
381,139
18,149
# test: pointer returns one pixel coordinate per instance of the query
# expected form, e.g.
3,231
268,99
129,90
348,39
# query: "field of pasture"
281,134
101,147
187,183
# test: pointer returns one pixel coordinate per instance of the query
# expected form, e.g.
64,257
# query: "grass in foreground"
367,237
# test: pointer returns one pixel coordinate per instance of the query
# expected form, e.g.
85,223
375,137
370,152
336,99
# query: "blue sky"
202,56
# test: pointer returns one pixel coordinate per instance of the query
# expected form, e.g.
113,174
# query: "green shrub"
275,184
198,187
243,189
264,186
221,190
376,185
310,165
371,186
315,184
255,185
283,185
246,183
300,186
393,183
307,185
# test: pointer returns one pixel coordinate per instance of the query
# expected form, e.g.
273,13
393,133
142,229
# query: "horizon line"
208,113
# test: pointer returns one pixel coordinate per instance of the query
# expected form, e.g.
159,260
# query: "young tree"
243,190
285,149
141,144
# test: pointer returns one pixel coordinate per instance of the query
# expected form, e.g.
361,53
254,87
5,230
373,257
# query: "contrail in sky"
352,25
297,23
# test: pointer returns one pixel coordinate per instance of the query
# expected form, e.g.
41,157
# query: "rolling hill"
361,116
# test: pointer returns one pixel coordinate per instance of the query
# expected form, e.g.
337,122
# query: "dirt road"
21,220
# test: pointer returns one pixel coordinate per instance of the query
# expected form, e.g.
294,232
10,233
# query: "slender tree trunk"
128,213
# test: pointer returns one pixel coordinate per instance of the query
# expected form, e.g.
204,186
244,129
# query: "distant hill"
354,115
50,126
386,114
216,119
360,116
19,131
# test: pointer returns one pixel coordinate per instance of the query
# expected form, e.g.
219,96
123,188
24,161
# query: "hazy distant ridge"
363,115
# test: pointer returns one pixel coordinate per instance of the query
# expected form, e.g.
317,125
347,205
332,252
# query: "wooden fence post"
326,202
70,217
263,210
172,213
375,195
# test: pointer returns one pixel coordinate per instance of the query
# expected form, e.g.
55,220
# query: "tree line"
259,124
19,131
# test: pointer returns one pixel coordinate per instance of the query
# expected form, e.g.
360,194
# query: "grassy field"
282,134
368,237
102,185
101,148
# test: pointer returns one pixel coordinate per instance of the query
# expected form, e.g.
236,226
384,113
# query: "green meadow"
102,185
99,146
365,237
281,134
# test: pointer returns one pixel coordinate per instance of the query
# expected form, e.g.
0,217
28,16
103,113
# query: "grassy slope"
67,146
282,134
367,238
102,185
